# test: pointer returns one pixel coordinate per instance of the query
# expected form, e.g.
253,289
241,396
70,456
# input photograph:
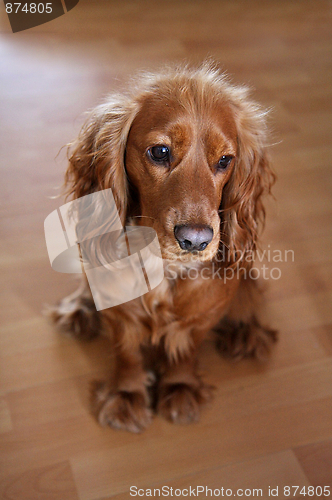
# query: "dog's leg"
181,392
123,401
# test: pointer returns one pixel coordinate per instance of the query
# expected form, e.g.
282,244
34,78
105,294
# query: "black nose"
193,237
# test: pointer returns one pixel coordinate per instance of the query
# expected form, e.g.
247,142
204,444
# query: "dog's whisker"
142,217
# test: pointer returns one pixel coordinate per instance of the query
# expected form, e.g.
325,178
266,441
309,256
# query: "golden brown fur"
200,117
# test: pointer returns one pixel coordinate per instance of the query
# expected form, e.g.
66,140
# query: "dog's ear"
252,177
96,158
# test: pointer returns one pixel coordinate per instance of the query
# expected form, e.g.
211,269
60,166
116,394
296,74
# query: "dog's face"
179,158
181,149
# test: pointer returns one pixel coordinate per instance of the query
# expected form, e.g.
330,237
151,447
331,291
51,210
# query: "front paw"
180,403
122,410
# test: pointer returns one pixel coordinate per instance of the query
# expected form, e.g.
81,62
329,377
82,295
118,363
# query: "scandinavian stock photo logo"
86,235
122,263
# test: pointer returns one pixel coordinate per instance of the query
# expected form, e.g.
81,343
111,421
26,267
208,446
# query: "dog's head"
184,153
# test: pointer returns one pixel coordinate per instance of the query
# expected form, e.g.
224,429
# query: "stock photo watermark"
200,491
247,265
123,263
26,15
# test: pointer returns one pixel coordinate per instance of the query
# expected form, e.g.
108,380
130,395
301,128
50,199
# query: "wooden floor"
268,425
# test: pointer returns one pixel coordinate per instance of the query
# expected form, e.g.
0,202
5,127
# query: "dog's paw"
180,403
242,340
77,316
122,410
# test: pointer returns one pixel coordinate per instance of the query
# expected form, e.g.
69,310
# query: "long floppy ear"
96,158
252,177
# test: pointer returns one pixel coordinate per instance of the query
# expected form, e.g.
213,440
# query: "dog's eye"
160,153
224,161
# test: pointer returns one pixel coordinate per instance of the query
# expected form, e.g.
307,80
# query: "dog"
184,152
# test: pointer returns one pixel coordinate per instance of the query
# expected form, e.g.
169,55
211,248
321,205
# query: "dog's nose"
193,237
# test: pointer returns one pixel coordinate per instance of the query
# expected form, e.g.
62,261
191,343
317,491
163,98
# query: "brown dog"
184,153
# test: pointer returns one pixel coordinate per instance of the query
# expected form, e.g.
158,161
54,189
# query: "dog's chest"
185,301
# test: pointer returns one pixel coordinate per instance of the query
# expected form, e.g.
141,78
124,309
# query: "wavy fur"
202,115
